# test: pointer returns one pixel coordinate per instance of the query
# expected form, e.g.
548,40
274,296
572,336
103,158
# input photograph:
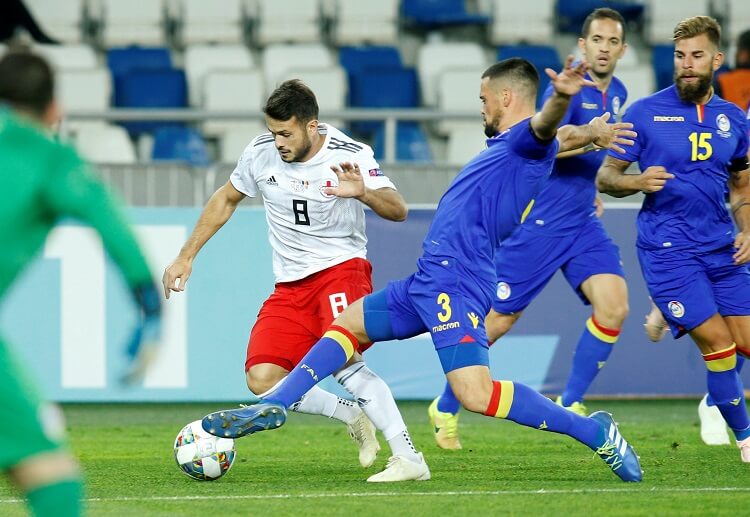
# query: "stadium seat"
411,143
84,90
541,56
465,141
383,88
275,24
364,21
128,22
510,21
662,59
231,91
121,61
218,21
104,143
737,20
639,81
458,90
61,20
279,58
572,13
661,17
143,88
69,57
180,144
328,84
439,13
435,57
233,141
361,64
201,59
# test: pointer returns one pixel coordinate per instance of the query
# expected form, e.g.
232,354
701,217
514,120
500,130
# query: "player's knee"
45,468
473,398
353,320
260,380
612,315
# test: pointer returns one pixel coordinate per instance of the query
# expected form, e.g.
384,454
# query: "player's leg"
34,453
655,326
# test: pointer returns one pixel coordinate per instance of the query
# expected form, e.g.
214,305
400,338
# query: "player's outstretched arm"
739,200
611,178
385,202
217,211
595,135
566,84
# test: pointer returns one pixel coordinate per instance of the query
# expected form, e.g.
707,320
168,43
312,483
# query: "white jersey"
309,231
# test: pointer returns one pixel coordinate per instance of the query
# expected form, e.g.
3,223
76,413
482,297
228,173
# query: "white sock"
318,401
375,398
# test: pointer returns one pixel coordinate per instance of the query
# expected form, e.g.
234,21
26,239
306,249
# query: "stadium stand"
181,144
431,14
660,18
458,90
541,56
200,59
275,25
358,22
151,88
218,21
105,143
510,21
231,90
130,22
411,143
435,57
63,19
279,58
69,57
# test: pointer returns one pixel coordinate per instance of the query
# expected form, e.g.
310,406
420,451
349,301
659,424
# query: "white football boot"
399,468
363,433
713,426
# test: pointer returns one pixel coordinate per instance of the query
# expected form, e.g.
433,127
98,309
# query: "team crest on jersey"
375,172
676,308
299,185
327,184
616,105
503,290
722,122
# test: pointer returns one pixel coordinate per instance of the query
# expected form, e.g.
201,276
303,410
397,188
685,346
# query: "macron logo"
663,118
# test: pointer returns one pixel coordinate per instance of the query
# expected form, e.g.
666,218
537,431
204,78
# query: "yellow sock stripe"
526,211
723,360
343,341
598,334
506,399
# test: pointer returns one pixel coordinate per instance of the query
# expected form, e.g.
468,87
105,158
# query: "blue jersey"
696,143
567,200
488,198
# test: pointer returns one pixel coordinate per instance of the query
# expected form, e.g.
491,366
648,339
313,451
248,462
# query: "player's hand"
653,179
143,346
611,136
571,79
742,245
176,276
598,206
351,183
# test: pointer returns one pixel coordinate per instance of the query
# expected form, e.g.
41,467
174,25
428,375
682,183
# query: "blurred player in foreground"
315,182
44,182
692,146
563,232
454,285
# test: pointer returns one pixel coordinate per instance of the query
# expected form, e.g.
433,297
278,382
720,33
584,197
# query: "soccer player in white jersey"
314,181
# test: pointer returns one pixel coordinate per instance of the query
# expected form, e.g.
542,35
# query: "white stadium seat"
231,91
69,57
329,85
296,21
84,90
458,90
217,21
128,22
234,140
365,21
435,57
60,19
201,59
661,17
511,21
465,141
279,58
105,144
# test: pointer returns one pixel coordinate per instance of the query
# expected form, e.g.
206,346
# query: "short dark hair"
26,82
602,13
292,98
517,71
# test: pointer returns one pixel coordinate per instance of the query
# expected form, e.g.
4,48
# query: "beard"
696,91
301,153
490,128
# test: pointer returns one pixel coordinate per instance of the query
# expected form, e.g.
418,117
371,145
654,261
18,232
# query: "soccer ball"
203,456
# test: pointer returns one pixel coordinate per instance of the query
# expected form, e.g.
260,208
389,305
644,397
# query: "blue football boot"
235,423
615,451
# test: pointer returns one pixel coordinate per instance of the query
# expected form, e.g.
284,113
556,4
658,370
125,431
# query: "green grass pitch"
310,467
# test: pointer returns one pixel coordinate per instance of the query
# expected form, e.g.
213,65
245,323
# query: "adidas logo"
272,181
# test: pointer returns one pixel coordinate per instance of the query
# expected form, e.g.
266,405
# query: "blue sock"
448,403
738,368
328,355
525,406
725,388
592,351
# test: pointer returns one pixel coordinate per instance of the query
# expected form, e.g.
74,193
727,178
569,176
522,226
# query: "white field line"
634,490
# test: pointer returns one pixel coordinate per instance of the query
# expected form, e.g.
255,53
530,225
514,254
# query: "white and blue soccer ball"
203,456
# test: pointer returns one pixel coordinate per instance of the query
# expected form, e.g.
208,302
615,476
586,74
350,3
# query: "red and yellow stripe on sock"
501,399
721,361
601,332
344,338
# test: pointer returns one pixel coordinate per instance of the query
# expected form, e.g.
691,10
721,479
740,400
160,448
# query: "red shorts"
297,313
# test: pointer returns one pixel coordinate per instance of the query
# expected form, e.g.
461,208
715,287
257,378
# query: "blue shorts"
526,262
440,299
691,287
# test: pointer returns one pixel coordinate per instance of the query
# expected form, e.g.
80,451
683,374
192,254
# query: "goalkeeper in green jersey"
42,182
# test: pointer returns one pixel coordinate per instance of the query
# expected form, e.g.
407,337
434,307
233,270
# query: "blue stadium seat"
541,56
151,89
662,59
122,60
357,59
438,13
182,144
383,88
572,13
411,143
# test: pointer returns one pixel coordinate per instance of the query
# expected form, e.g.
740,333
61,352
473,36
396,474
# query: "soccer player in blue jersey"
563,232
454,284
692,148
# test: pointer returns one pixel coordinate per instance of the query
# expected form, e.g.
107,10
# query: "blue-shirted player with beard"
564,233
454,284
692,147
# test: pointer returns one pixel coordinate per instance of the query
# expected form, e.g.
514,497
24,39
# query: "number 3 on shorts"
445,302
